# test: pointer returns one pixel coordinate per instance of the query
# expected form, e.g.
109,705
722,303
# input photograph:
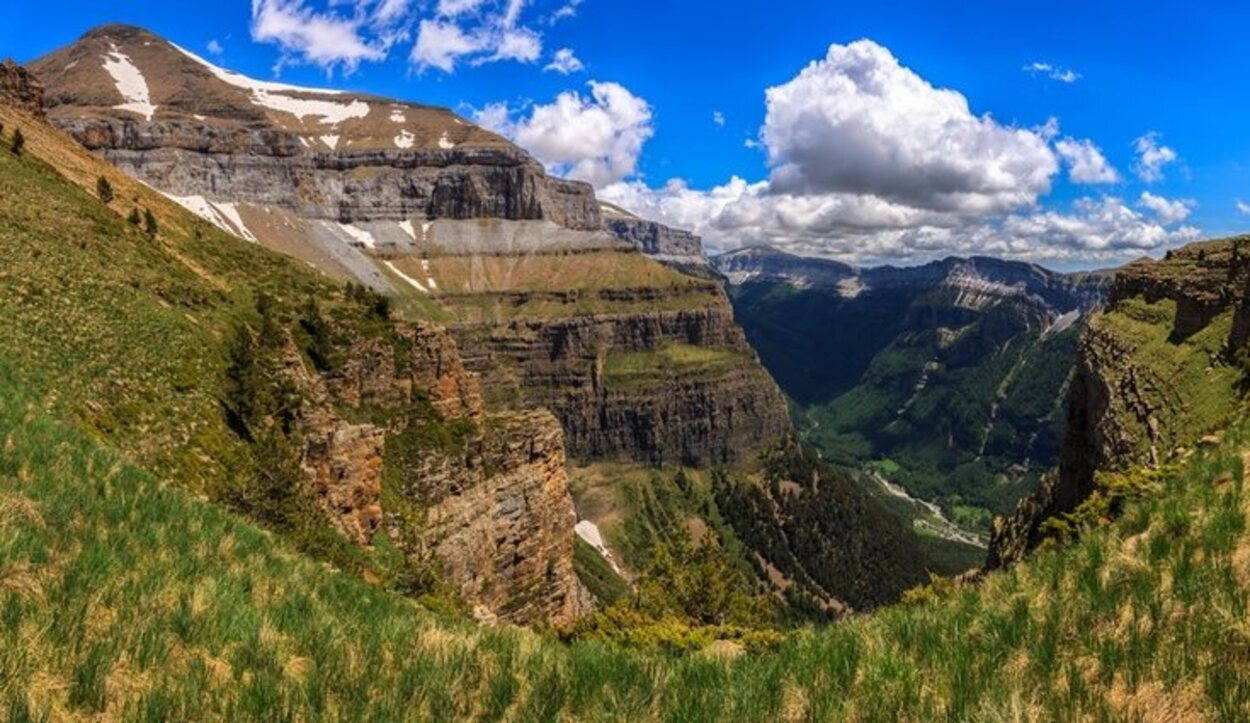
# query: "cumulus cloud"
595,138
214,47
718,118
859,122
565,62
1054,72
1086,163
1152,156
868,162
1168,211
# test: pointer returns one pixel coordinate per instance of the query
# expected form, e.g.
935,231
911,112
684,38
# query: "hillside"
340,418
1161,369
127,598
945,381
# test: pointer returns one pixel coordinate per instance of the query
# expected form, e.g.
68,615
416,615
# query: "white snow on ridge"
130,83
359,234
416,284
276,95
444,142
331,141
405,139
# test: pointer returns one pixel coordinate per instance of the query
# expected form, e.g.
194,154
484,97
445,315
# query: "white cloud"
326,39
859,122
214,47
1243,208
564,12
345,33
1152,157
595,138
1168,211
1086,163
870,163
478,32
1054,72
718,118
440,44
565,62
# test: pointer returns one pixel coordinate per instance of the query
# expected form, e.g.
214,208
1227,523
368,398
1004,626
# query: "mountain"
472,352
945,380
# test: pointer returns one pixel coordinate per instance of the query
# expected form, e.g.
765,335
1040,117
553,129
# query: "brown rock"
20,89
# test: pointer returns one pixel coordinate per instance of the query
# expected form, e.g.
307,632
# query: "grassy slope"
124,596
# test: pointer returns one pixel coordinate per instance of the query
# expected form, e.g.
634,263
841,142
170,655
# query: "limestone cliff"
1157,371
622,391
492,504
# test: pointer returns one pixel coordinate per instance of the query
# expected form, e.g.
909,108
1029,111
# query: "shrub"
133,218
104,189
149,222
19,142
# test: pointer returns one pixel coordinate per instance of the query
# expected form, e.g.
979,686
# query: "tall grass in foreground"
123,599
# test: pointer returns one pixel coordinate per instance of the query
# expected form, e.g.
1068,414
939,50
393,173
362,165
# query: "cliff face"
192,129
19,89
621,388
1155,372
492,503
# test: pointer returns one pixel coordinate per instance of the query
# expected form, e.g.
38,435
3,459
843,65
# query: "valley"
317,404
946,381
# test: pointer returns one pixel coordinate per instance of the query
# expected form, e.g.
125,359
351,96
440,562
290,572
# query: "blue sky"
1118,73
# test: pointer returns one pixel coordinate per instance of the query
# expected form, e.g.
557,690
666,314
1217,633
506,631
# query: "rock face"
190,128
719,414
1133,403
20,89
492,504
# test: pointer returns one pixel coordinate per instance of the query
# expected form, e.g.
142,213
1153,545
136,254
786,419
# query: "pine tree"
19,142
320,346
244,392
104,189
149,222
133,218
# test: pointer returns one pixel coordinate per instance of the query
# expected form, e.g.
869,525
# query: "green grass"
670,359
125,598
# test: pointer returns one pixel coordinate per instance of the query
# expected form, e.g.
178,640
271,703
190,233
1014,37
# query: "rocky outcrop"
270,167
1127,407
654,238
486,493
19,89
719,414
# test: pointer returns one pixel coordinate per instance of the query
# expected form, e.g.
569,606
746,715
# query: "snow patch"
222,215
425,230
359,234
406,225
305,142
406,277
130,83
331,141
276,95
397,116
589,532
232,215
405,139
444,142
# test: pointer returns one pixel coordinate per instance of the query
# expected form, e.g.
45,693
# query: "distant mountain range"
947,378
